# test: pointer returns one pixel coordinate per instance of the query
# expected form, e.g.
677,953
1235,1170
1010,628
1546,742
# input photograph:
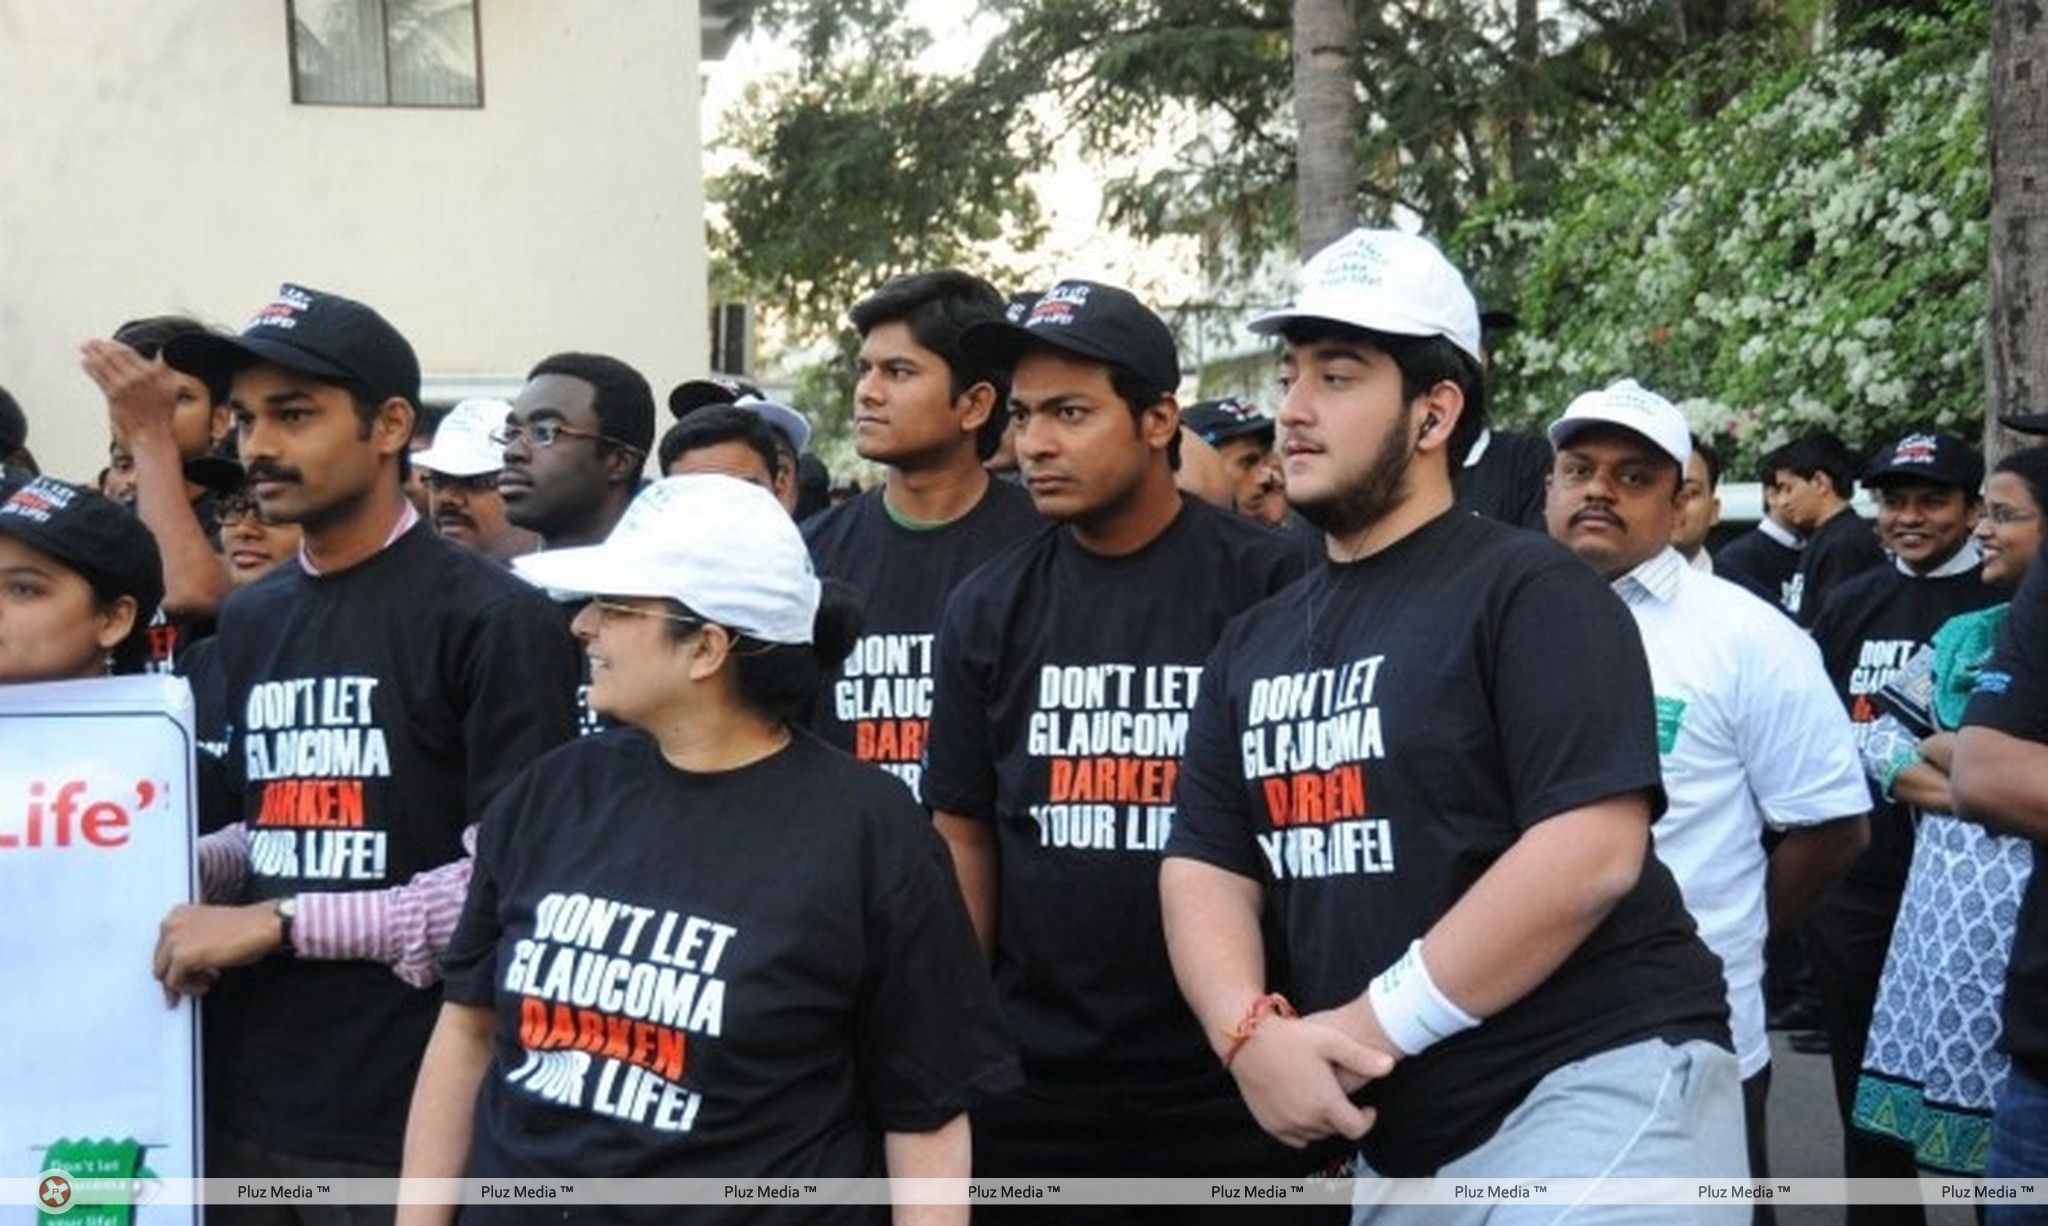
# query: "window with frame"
386,53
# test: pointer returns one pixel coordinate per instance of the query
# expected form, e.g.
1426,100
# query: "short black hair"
938,307
148,335
13,425
721,423
1424,362
1711,458
813,487
624,401
1138,394
1818,452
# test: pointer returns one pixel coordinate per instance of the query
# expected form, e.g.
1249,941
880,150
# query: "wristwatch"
286,910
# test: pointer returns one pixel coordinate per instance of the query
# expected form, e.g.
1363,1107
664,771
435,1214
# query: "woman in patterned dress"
1932,1069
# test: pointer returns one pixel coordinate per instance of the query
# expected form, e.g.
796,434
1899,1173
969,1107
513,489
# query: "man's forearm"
946,1152
972,845
1211,917
1525,915
2001,781
195,576
1808,860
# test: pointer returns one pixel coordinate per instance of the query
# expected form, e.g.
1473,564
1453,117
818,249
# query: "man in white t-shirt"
1748,726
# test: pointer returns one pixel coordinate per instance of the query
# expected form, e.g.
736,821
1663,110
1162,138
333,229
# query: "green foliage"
863,169
1810,254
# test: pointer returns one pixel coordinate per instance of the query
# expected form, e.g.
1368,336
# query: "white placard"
96,833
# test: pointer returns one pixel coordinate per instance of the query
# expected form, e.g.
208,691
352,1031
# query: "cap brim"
451,465
2026,423
1878,478
1237,430
999,343
784,420
1565,429
216,473
215,359
693,394
590,570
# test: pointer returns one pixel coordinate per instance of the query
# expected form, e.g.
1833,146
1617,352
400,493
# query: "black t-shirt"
1371,740
372,713
1870,626
1843,547
2012,697
879,705
1506,484
1064,685
1761,563
219,804
754,972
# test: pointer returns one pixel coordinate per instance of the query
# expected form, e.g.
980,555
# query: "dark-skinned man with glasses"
380,688
460,472
574,444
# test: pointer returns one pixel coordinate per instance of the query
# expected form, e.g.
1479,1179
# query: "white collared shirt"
1749,730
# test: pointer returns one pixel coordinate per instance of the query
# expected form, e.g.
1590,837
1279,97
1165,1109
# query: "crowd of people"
1116,789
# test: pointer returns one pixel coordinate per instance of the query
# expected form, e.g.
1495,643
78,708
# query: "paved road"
1806,1135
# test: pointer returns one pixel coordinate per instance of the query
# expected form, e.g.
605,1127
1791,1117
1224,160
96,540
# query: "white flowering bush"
1810,253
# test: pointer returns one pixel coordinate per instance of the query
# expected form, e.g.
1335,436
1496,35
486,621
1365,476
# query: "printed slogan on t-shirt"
610,996
1108,738
309,745
1307,740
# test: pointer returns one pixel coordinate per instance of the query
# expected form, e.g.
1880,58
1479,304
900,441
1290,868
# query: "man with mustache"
1748,729
1394,786
380,689
1870,624
1065,671
461,478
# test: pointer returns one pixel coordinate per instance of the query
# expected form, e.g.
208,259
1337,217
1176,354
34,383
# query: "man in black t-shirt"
1382,786
1811,480
1764,559
788,429
2001,779
163,420
1502,478
380,689
930,414
575,443
1066,670
1871,623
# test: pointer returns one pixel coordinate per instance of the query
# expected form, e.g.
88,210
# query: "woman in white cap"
79,578
705,944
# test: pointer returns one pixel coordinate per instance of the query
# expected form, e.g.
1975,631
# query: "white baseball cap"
462,447
1383,281
1631,406
724,548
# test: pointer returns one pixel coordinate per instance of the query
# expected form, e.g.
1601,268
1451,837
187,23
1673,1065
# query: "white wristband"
1412,1010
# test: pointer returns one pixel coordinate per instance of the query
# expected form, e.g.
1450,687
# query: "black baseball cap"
312,332
713,389
1219,421
90,533
2026,423
1929,456
1099,322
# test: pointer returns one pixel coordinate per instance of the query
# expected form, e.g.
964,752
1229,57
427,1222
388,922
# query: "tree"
1326,117
2015,360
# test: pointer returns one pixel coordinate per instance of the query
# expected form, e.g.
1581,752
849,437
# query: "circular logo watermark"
53,1191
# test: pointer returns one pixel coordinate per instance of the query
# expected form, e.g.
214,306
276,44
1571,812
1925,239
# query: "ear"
117,621
221,422
974,406
1160,424
708,650
1445,401
622,466
391,428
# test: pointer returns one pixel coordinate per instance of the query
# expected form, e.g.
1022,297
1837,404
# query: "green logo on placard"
1670,714
93,1183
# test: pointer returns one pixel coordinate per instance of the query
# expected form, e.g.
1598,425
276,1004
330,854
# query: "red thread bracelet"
1272,1004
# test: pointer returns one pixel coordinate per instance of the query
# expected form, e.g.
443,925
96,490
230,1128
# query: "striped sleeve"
223,864
406,927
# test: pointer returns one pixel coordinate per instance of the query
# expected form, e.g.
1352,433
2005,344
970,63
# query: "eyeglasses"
2005,516
609,609
544,434
481,483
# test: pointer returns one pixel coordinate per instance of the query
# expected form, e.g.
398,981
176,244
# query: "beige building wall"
152,159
